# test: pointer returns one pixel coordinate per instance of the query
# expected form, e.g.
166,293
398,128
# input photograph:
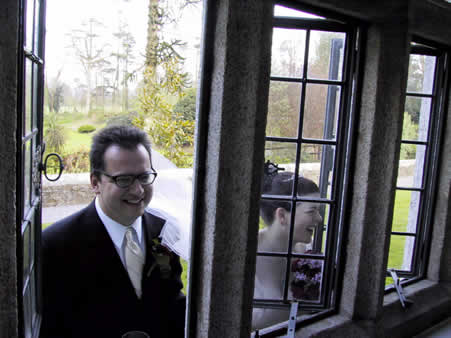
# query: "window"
308,135
29,138
419,158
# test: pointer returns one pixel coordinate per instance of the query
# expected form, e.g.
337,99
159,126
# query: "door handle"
48,164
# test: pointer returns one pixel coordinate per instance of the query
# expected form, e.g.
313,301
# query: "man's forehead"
122,148
116,154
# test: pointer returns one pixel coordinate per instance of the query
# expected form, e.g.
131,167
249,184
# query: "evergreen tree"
164,82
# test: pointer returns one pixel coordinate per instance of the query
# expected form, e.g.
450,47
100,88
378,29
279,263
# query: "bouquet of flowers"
307,275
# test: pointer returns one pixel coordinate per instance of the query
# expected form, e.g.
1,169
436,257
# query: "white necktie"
134,260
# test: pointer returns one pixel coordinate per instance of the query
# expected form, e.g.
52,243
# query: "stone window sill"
431,304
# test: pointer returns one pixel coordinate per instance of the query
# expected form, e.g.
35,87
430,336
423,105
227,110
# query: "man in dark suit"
104,273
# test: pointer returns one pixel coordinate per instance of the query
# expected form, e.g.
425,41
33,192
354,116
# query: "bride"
270,271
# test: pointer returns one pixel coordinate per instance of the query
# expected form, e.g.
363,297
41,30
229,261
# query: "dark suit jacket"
87,291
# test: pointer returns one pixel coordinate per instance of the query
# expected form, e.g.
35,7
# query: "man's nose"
136,186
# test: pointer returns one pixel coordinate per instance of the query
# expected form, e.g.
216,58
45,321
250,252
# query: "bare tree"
55,92
91,53
124,57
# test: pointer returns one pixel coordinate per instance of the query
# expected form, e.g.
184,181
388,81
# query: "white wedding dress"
268,289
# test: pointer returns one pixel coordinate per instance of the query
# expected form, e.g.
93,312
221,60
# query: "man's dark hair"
124,136
281,184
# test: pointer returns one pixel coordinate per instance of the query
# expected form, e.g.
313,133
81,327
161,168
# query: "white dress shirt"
116,231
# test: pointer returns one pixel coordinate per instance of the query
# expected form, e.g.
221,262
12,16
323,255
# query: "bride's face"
307,218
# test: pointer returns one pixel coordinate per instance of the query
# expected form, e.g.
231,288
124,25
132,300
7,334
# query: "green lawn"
184,275
70,122
400,219
76,140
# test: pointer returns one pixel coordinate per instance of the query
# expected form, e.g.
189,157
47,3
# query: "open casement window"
29,163
308,135
419,159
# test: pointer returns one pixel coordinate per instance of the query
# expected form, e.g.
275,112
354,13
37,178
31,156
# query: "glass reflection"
35,96
411,166
317,162
400,254
277,223
406,211
26,252
29,23
416,118
283,109
307,275
321,111
281,153
33,309
28,95
294,13
36,28
27,176
287,57
32,241
421,74
326,52
27,312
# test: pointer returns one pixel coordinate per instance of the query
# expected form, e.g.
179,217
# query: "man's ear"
282,216
95,180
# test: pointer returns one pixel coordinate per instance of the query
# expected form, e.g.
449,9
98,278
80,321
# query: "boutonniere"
307,277
162,256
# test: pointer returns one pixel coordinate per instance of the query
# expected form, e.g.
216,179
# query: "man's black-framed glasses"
125,181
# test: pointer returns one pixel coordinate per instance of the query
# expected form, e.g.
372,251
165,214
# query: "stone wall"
70,189
9,22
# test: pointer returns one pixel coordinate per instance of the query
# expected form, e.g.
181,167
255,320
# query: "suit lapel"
101,257
101,253
152,226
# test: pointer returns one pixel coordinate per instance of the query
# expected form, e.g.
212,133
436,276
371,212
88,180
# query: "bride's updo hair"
281,183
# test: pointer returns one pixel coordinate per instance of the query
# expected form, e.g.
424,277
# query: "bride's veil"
172,201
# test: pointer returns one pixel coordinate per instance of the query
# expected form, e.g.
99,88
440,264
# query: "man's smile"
133,201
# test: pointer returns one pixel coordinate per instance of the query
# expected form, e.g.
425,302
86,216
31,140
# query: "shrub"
76,161
122,120
186,106
85,129
54,134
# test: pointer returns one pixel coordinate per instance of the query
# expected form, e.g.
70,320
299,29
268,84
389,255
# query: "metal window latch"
405,303
292,320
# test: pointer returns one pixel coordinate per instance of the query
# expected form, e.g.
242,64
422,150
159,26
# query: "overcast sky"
63,16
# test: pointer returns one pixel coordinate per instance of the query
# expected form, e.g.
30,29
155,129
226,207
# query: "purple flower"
299,276
306,283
